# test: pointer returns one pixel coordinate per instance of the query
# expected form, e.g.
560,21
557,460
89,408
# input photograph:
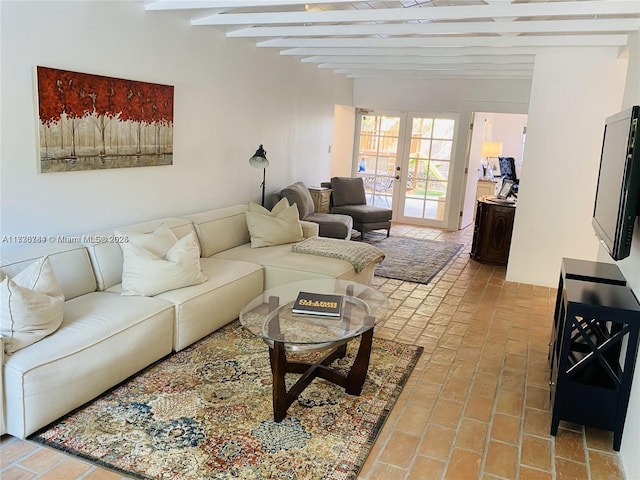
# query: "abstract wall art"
89,122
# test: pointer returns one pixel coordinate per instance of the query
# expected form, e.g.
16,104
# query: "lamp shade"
259,159
491,149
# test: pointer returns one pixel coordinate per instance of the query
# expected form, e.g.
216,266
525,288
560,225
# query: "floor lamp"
259,160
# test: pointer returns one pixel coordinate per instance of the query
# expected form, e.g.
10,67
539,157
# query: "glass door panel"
427,172
377,156
405,161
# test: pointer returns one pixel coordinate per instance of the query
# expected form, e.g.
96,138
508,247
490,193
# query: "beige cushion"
221,229
159,242
267,230
275,211
145,273
31,305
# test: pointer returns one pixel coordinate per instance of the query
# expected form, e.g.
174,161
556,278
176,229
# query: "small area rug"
412,259
206,413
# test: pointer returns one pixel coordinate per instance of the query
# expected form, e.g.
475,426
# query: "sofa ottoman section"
282,265
104,339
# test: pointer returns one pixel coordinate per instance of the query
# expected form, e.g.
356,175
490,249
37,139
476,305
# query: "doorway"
509,129
405,160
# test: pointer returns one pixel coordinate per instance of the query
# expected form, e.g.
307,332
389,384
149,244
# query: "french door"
405,161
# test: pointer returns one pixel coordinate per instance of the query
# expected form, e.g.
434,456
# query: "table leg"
358,372
278,371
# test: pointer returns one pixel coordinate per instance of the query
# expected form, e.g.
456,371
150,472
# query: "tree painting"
95,122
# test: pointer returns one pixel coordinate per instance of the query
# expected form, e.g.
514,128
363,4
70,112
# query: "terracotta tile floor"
477,404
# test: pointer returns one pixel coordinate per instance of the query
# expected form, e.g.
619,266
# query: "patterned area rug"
412,259
206,413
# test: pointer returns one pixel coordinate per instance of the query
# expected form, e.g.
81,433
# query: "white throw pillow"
31,306
268,230
145,273
158,242
276,210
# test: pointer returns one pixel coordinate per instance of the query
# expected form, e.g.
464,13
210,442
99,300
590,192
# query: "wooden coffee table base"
280,366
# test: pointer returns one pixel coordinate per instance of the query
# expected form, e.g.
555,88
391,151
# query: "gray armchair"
348,198
329,224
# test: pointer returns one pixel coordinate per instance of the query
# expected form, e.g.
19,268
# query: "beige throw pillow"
145,273
31,306
276,210
267,230
159,242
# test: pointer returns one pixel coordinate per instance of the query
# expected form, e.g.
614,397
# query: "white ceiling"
416,38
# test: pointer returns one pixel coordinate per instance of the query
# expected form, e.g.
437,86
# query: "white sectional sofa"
106,337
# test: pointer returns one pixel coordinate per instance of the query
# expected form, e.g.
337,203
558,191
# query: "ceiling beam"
412,74
495,10
414,51
204,4
435,67
450,28
416,60
452,42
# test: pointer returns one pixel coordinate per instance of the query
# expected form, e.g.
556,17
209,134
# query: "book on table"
309,303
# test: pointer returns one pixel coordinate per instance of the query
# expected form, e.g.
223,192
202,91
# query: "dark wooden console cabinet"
594,348
492,233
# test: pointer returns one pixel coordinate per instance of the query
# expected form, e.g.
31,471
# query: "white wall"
229,97
571,95
630,267
344,124
508,129
462,97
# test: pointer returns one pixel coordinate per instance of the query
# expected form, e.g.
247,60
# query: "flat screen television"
617,202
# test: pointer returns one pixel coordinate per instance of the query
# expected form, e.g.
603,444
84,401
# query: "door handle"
397,177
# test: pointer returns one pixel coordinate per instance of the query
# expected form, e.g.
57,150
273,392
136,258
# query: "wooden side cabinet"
492,233
321,198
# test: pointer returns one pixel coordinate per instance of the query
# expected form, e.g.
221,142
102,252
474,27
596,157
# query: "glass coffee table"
270,317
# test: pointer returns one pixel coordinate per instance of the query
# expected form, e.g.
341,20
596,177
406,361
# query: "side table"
587,271
321,197
594,361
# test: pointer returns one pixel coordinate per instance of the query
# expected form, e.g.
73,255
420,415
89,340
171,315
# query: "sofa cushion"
347,191
146,273
203,308
158,242
70,263
221,229
269,230
299,194
104,339
31,306
364,213
281,205
282,265
332,225
106,254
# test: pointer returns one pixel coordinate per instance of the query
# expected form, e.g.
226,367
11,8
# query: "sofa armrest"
309,229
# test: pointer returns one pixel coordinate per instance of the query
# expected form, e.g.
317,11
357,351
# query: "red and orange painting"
91,122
